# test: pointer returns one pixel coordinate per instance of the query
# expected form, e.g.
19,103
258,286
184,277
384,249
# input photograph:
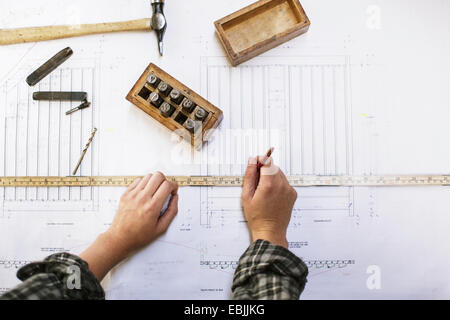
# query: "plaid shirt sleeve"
59,276
267,271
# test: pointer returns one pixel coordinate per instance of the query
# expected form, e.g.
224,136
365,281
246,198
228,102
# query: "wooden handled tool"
11,36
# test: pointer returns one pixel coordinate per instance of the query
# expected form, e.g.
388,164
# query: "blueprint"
367,94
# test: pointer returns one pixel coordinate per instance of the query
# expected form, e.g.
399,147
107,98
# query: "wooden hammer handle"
10,36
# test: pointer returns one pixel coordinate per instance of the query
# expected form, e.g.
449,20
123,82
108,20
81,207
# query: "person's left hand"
138,221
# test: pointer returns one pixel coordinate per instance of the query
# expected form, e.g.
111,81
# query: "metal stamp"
188,105
200,114
191,125
60,95
176,96
166,109
155,99
164,88
153,80
50,65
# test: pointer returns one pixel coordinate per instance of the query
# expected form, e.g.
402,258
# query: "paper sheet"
364,91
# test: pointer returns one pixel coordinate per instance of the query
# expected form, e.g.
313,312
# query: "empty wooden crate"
259,27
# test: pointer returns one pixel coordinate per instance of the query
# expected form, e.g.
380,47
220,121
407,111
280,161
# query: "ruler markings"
230,181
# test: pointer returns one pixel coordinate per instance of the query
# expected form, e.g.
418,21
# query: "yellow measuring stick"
231,181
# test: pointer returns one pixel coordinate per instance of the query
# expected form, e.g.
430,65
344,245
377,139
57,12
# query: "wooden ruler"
231,181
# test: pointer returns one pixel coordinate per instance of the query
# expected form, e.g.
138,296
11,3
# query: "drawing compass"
159,23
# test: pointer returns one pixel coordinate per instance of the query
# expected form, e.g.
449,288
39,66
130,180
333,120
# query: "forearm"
137,223
269,271
103,254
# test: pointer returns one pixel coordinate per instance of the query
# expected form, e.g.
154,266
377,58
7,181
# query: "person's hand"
136,224
138,221
267,199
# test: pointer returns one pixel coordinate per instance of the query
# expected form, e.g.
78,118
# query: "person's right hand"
267,199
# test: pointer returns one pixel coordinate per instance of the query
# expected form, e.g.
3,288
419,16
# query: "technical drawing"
299,105
37,138
16,264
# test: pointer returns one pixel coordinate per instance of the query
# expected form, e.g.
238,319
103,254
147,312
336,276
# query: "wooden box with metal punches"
174,105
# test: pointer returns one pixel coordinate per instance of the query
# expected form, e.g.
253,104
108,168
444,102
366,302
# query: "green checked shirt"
265,271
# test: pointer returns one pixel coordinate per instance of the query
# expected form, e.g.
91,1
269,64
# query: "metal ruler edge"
229,181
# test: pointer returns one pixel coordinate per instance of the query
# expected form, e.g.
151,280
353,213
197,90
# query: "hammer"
158,23
11,36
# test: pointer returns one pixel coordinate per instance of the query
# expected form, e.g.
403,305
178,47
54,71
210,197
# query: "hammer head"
159,23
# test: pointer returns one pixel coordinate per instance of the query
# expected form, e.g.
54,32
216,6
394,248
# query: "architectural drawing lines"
313,137
293,106
39,139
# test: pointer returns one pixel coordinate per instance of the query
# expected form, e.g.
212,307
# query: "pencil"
264,159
